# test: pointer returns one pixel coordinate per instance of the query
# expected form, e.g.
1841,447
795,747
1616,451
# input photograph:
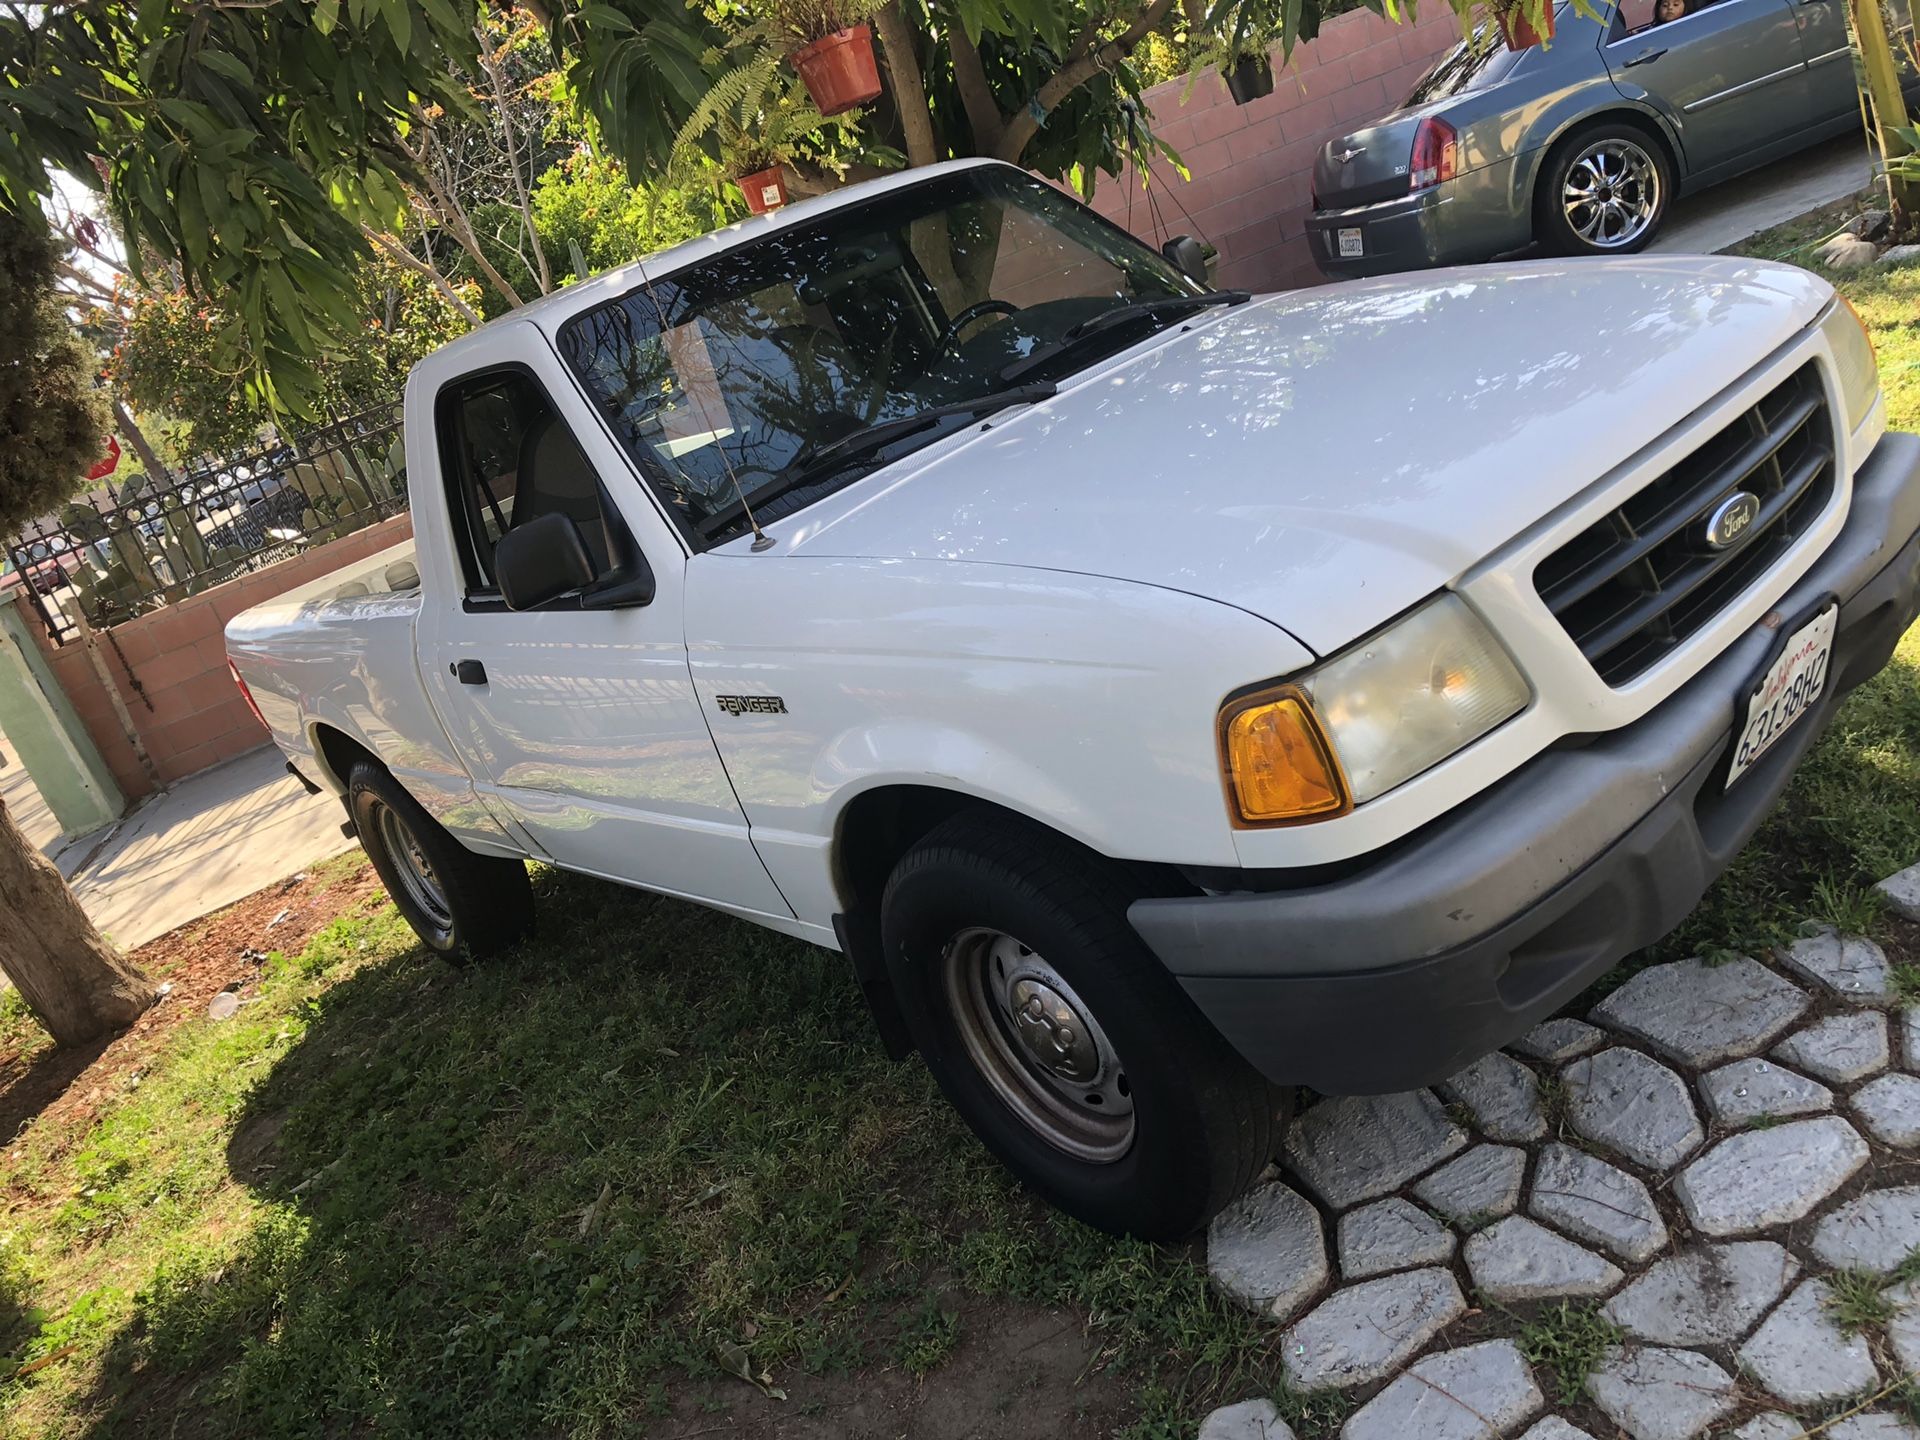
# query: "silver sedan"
1581,146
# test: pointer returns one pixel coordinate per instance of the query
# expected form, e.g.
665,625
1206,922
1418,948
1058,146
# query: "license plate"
1350,244
1787,691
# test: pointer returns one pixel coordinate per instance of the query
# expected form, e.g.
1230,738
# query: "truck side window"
509,458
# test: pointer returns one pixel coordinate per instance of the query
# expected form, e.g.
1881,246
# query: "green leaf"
231,66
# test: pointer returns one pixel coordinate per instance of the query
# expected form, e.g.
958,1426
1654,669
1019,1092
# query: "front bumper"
1458,939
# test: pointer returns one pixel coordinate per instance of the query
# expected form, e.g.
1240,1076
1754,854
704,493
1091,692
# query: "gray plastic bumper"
1457,939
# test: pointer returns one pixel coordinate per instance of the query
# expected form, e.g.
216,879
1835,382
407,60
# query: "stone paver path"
1691,1162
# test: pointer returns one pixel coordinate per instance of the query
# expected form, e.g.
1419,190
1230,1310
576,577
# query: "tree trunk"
909,90
137,438
71,979
976,92
1881,76
1083,63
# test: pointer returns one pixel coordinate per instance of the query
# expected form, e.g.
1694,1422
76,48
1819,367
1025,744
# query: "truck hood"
1327,458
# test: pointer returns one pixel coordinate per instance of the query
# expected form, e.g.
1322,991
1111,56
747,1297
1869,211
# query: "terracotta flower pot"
1250,78
839,69
765,189
1520,32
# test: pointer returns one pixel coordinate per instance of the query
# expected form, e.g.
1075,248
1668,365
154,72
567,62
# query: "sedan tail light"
247,695
1436,154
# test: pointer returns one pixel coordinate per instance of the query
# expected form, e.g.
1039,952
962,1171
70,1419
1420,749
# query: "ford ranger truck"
1165,697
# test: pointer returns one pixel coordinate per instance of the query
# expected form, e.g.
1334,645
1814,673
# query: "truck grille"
1642,578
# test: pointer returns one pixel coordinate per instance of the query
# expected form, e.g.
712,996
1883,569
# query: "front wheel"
1604,192
460,904
1061,1040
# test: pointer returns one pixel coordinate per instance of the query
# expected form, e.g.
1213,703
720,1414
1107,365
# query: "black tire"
485,902
1556,230
1203,1122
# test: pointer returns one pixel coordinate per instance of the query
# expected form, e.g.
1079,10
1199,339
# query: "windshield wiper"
812,461
1106,320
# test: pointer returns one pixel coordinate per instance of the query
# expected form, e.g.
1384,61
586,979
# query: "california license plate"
1787,691
1351,247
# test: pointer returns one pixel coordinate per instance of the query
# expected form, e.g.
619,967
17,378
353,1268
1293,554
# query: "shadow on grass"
1850,818
31,1081
535,1196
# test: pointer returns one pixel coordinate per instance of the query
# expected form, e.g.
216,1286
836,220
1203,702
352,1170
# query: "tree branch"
976,95
450,212
1024,126
909,90
490,61
407,258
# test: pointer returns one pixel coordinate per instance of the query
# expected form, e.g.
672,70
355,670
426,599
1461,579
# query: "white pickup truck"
1164,697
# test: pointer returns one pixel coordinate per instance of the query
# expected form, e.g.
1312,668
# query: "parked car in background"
1581,146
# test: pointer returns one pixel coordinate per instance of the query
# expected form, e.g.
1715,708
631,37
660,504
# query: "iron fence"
117,553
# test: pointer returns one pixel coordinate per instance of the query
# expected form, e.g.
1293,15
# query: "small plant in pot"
754,122
1524,23
834,54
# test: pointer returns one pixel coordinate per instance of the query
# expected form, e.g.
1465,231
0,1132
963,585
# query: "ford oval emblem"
1731,517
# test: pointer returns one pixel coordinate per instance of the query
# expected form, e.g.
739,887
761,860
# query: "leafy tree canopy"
53,422
257,145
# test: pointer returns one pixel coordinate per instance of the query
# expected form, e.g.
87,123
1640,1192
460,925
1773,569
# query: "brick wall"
186,708
1252,165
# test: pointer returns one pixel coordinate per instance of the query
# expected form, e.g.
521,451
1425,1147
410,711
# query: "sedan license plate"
1787,691
1350,244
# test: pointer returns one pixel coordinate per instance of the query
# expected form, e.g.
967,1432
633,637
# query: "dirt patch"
222,951
1017,1373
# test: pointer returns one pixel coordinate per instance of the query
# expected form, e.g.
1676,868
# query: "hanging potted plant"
835,57
1249,78
1525,23
1244,61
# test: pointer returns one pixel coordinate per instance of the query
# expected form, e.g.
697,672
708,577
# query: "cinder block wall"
1252,165
185,706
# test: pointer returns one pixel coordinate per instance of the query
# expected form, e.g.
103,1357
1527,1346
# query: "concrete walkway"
211,840
1728,214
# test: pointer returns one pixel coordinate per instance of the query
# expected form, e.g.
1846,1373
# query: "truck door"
581,725
1728,74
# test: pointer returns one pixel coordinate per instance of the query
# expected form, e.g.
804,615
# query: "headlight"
1854,363
1393,706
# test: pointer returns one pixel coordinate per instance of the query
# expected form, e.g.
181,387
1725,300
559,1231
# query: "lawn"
652,1165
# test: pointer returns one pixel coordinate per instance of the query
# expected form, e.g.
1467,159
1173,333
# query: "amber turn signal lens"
1279,765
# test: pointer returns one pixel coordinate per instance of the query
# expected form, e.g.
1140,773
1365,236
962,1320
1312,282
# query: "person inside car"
1667,10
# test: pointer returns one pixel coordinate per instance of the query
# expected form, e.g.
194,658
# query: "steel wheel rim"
415,871
1611,194
1038,1045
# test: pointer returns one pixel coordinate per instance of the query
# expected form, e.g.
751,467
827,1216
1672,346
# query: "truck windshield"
780,348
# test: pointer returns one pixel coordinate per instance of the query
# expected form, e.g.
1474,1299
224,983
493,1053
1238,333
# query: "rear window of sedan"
1473,64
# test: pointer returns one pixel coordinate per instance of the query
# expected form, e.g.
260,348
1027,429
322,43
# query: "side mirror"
1189,257
541,561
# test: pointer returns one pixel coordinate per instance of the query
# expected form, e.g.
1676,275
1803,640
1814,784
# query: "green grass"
376,1196
1566,1341
1855,1301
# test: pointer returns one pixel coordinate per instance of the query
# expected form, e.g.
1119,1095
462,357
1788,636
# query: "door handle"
469,672
1645,57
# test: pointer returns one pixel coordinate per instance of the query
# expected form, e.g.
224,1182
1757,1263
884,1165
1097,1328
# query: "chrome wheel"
415,871
1038,1045
1611,195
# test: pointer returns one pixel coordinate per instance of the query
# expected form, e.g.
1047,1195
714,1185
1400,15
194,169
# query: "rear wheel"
1061,1040
460,904
1604,191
